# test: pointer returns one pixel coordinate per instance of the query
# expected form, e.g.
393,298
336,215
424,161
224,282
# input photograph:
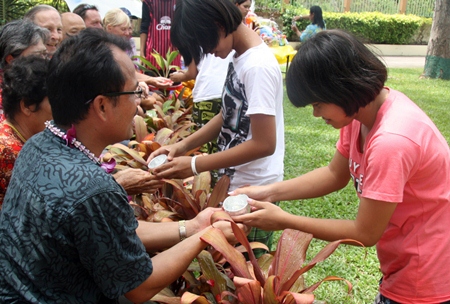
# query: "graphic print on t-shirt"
356,176
236,125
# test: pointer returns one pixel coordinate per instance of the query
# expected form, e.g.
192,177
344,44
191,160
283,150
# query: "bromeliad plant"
164,67
276,278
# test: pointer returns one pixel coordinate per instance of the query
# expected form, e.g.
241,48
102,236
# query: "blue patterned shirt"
310,31
67,232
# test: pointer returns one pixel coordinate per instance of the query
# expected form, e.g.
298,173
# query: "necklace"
71,141
22,138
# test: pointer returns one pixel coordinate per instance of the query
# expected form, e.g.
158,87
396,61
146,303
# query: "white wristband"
182,230
194,169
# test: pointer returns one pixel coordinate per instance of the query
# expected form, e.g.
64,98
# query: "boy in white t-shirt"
250,127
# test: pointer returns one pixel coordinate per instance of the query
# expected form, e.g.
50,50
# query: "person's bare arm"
167,267
143,42
262,144
185,75
207,133
368,227
170,264
316,183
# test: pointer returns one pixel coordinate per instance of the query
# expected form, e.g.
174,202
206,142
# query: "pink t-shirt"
406,160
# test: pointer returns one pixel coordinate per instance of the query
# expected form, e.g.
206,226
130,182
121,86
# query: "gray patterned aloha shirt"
67,232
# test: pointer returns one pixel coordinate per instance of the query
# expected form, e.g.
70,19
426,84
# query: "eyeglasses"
138,94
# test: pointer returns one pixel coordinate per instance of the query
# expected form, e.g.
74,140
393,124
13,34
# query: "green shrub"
371,27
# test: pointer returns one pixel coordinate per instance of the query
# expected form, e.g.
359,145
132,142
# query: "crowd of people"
70,88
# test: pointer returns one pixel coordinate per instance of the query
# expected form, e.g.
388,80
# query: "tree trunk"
437,61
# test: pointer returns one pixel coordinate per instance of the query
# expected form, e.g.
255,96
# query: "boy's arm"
262,144
185,75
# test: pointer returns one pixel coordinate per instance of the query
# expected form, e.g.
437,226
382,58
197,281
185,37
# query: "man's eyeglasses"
138,94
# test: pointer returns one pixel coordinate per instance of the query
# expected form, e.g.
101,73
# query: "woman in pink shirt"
396,157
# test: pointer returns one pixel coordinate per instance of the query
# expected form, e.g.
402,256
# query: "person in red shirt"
155,29
20,38
26,109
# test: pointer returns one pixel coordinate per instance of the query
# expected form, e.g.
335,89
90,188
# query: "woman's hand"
295,29
260,193
264,215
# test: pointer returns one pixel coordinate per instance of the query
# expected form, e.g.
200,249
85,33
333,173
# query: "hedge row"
371,27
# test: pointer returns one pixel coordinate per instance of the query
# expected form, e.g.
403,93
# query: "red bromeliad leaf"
181,132
329,278
140,128
249,291
159,215
322,255
287,297
226,294
215,238
219,192
298,285
166,296
218,281
200,198
188,298
181,195
242,238
253,245
149,137
269,294
264,263
290,254
163,135
220,216
202,182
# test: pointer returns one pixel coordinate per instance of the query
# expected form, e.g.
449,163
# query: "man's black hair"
82,68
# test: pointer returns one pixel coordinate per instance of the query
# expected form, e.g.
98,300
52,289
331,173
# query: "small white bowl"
157,161
236,205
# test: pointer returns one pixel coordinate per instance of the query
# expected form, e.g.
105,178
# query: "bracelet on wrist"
182,230
194,169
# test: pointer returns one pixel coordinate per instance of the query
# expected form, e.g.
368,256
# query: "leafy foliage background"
15,9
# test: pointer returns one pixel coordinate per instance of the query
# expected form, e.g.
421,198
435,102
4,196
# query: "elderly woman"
20,38
26,109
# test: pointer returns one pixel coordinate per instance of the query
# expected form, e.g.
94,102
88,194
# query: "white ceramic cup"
157,161
236,205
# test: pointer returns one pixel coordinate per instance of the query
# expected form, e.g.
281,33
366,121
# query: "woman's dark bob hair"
335,67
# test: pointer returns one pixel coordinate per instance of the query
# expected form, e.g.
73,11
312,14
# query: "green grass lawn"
310,143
